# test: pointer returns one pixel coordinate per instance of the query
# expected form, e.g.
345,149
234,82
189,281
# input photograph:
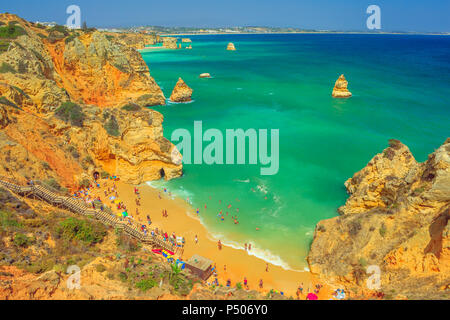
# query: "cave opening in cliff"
162,173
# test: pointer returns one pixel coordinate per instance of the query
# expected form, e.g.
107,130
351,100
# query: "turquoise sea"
401,90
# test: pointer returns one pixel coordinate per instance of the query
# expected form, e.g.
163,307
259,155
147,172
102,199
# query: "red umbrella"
312,296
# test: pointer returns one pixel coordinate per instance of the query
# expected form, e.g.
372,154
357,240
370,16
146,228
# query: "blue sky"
397,15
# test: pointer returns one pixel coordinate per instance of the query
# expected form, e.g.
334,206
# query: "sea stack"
187,40
340,88
205,75
170,43
181,92
231,47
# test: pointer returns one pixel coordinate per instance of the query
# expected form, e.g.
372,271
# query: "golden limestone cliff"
73,102
396,218
136,41
170,42
340,88
181,92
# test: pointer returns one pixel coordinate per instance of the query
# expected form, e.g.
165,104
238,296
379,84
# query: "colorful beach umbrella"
125,214
312,296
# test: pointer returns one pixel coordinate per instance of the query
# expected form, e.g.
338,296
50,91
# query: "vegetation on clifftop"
11,31
70,112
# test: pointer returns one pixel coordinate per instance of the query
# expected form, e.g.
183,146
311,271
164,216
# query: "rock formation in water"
205,75
170,42
231,47
72,102
181,92
397,218
340,88
187,40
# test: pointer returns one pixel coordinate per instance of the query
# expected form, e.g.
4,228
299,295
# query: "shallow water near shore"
401,90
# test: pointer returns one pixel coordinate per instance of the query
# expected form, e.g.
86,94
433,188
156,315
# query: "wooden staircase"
41,192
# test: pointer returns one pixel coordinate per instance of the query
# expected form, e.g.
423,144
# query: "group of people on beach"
176,242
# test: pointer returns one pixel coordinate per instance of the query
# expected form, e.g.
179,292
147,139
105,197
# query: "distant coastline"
305,32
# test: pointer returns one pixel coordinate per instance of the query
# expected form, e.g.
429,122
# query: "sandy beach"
183,221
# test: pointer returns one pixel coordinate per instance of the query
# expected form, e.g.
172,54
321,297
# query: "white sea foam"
263,254
169,102
242,181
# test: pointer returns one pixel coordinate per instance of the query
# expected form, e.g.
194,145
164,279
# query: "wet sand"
183,221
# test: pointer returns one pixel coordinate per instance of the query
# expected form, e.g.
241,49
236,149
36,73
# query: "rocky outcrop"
396,218
99,75
136,41
86,67
186,40
137,152
170,43
181,92
125,76
340,88
231,47
205,75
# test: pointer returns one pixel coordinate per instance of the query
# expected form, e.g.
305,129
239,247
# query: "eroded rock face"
397,218
101,75
124,76
340,88
137,41
181,92
170,43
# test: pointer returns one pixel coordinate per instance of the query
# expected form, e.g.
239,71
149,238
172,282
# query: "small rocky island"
181,92
340,88
231,47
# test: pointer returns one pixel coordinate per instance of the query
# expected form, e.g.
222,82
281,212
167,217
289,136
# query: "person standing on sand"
245,283
245,247
219,245
249,247
267,267
261,284
196,239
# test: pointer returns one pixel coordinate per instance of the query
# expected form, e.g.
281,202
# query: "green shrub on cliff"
61,29
81,230
4,46
70,112
22,240
7,220
112,126
11,31
131,107
146,284
5,68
